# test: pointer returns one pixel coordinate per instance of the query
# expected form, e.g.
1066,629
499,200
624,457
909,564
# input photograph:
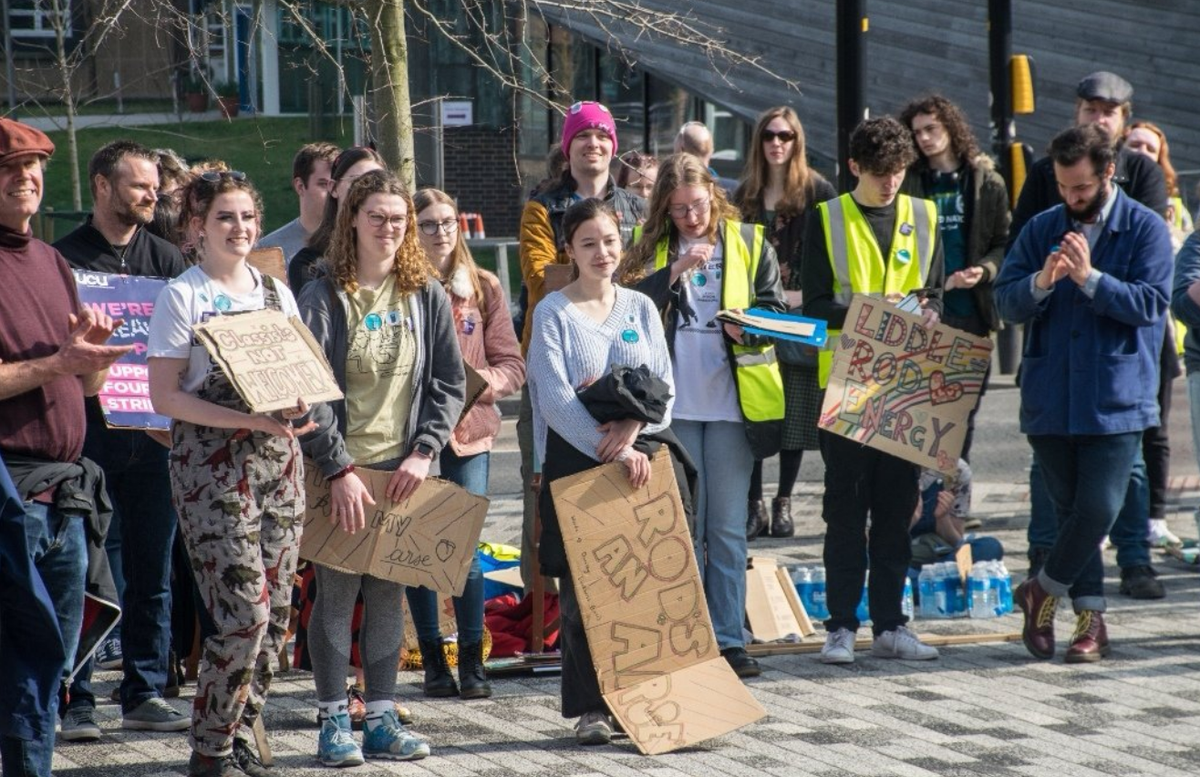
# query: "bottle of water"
906,605
941,591
956,599
1005,588
819,607
926,587
980,587
863,611
802,577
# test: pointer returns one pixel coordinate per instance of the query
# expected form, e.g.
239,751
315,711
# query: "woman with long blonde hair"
386,327
777,189
694,259
488,342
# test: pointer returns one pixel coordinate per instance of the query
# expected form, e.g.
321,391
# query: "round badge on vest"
903,255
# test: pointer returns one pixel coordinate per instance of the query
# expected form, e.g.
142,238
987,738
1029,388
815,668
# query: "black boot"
757,521
471,675
781,517
439,683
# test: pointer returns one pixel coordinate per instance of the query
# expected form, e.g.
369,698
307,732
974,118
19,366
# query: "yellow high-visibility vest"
858,266
756,371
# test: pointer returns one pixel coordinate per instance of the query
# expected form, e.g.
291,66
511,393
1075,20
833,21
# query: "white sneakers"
899,643
1161,536
902,643
839,648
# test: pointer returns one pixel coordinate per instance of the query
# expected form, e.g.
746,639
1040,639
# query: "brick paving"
983,709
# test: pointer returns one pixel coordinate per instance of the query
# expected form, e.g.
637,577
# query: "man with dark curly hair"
875,241
973,216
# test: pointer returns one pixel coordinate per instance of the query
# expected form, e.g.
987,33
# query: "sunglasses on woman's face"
784,136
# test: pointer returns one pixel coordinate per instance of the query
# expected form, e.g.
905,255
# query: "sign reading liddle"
271,359
644,611
903,389
428,539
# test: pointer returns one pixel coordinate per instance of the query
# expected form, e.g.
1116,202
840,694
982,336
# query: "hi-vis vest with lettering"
858,267
756,372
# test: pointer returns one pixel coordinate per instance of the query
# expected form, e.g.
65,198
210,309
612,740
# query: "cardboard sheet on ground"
902,389
271,359
125,396
428,539
644,610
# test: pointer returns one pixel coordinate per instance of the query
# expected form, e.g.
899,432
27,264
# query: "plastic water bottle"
802,577
980,586
906,604
956,599
926,587
819,607
941,591
863,611
1004,589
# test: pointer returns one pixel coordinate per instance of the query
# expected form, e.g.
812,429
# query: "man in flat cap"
52,354
1104,99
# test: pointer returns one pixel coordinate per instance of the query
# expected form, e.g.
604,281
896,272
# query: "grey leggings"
379,637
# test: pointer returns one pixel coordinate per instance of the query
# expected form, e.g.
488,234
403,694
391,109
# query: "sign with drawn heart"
429,539
901,388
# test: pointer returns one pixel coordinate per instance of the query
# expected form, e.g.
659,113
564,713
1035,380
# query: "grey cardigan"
439,385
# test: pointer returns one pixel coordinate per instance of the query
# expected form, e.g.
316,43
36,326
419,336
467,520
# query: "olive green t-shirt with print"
379,373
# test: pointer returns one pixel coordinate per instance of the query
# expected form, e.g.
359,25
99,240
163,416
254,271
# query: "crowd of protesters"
653,249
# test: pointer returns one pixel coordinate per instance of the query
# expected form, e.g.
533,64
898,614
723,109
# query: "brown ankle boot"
757,521
781,517
1089,643
1039,608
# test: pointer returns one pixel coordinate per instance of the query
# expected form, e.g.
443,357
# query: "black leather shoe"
439,683
757,520
741,663
1141,582
472,679
781,517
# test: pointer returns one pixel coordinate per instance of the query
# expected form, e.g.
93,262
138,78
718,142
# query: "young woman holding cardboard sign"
236,476
381,317
579,333
489,344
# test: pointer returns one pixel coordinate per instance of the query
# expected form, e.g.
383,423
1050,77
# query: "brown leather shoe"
1039,608
781,517
1089,643
757,520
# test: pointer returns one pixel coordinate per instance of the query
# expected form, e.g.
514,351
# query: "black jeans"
861,481
580,688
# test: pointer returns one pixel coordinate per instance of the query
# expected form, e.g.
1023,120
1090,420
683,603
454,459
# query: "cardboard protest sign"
271,359
269,261
644,610
476,385
125,395
429,539
902,389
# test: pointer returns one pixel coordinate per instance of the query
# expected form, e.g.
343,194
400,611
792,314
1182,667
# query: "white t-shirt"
704,387
193,298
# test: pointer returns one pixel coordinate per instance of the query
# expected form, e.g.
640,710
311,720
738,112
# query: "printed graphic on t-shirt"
704,297
375,343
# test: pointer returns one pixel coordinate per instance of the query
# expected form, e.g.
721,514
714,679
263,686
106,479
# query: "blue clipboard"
818,338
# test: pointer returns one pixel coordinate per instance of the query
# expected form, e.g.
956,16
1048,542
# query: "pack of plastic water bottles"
987,593
810,587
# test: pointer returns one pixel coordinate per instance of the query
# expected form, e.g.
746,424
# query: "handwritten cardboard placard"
902,389
271,359
269,261
644,610
125,395
429,539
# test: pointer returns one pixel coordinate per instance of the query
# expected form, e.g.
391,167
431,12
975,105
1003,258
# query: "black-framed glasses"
431,228
682,211
214,176
784,136
377,220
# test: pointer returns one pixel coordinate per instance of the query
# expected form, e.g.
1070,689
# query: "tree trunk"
65,70
389,84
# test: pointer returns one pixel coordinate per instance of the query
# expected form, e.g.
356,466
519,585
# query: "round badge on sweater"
629,336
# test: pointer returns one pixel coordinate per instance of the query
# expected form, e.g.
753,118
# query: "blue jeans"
724,460
1087,478
1130,533
58,545
32,655
470,472
135,469
1193,384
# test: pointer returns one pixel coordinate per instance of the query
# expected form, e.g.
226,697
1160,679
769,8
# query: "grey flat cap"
1105,86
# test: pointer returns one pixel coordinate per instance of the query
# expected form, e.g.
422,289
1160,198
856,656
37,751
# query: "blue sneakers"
389,739
336,745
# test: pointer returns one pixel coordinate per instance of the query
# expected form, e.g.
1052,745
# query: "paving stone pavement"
984,709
